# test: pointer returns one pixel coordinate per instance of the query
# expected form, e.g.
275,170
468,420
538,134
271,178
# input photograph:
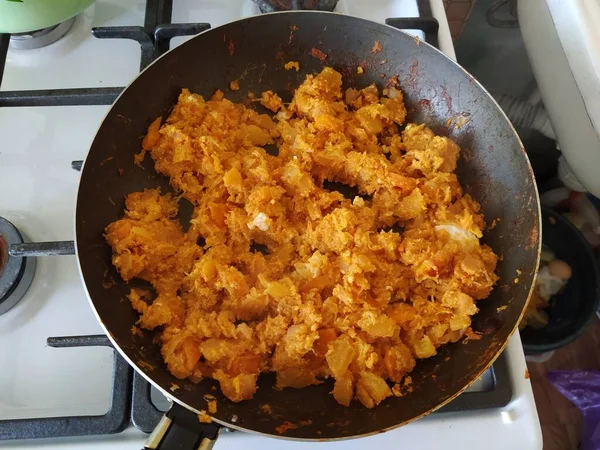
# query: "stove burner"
40,38
266,6
16,273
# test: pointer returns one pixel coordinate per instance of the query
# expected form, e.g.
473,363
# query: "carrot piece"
326,336
152,137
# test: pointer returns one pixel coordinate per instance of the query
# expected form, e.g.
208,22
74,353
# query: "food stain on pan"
104,161
527,374
341,423
458,121
247,71
174,387
107,280
518,221
501,308
293,29
490,352
376,47
122,118
491,325
231,47
266,409
447,99
393,81
467,154
145,366
320,55
287,425
424,103
135,331
413,75
120,170
533,238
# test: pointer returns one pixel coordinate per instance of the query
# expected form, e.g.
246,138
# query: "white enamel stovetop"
37,193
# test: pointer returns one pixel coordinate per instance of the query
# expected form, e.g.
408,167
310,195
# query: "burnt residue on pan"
412,80
319,54
447,99
293,29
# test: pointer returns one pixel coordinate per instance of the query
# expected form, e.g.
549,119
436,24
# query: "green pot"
20,16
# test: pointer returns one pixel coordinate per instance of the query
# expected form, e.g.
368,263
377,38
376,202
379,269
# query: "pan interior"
493,168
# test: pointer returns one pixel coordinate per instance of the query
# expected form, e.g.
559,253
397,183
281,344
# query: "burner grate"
498,396
114,421
425,22
155,43
154,38
144,414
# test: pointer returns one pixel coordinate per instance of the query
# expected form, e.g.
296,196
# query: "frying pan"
493,168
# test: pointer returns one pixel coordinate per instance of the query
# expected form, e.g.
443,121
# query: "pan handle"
42,248
179,428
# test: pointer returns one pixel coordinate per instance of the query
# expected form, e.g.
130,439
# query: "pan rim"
171,396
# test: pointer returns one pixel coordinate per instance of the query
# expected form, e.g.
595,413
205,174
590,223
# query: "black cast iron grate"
114,421
425,22
153,37
131,396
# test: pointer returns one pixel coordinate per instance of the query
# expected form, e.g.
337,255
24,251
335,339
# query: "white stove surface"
38,190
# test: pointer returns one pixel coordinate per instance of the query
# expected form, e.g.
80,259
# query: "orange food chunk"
292,65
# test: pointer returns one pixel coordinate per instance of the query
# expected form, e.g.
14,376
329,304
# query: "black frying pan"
493,169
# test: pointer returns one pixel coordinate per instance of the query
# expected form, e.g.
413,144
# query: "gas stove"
62,385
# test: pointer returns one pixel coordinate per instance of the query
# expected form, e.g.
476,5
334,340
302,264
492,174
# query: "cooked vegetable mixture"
279,271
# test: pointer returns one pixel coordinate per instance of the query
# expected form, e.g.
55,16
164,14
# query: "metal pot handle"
42,248
179,428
